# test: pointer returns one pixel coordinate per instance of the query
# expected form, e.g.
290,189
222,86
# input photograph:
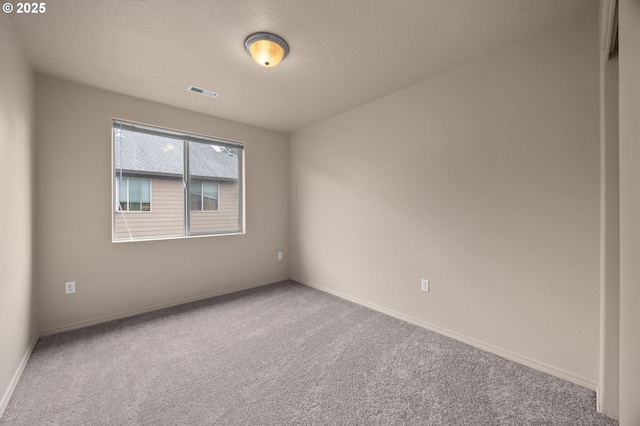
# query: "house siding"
166,217
226,218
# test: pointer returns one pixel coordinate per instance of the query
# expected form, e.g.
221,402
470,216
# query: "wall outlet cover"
425,285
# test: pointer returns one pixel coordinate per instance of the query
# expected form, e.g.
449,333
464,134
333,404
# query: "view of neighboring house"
150,188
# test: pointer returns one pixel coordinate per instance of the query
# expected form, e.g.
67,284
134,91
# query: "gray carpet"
282,354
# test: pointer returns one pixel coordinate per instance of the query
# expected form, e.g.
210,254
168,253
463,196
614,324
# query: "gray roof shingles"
141,153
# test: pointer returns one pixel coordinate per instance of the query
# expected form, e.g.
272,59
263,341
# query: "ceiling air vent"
202,91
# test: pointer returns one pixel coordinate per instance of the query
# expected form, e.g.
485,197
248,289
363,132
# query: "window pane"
216,168
122,193
152,192
135,190
153,167
210,195
210,190
196,195
145,190
210,204
135,195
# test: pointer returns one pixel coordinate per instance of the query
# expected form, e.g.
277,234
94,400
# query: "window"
170,184
204,196
133,194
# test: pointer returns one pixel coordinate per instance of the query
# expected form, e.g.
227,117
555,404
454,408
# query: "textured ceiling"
343,53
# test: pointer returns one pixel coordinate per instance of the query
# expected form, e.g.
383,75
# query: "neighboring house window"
134,194
195,182
204,196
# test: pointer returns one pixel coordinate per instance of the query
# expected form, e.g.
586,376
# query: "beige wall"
73,156
484,180
629,75
17,299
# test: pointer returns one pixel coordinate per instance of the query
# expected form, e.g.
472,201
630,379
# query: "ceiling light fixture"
266,49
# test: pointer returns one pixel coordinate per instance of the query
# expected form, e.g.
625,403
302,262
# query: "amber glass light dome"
266,49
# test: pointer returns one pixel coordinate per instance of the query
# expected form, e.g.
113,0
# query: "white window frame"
186,139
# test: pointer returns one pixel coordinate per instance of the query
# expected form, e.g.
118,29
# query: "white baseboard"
537,365
581,381
100,320
16,377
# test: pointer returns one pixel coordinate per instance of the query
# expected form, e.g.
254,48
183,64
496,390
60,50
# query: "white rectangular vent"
202,91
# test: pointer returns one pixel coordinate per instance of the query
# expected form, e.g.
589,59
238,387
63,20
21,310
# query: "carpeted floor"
283,354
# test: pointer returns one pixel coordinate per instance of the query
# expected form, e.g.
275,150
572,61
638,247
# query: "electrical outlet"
279,255
425,285
70,287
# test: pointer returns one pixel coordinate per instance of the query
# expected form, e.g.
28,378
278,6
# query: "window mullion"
187,189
